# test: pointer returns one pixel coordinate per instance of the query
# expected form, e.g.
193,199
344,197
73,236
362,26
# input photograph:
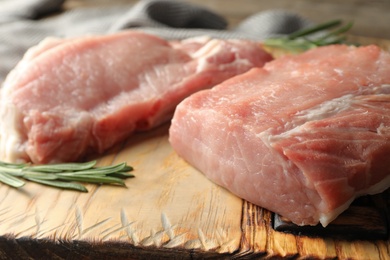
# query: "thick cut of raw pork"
69,97
302,136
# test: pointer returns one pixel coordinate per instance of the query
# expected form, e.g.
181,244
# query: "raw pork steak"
302,136
69,97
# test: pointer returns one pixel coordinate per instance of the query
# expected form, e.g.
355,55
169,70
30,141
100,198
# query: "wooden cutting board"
171,211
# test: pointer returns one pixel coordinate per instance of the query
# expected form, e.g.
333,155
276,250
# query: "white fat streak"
323,111
208,49
382,89
325,219
326,109
211,48
337,105
11,147
329,108
379,187
383,130
199,39
340,72
266,138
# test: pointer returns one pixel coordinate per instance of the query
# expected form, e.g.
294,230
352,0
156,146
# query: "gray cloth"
23,23
11,10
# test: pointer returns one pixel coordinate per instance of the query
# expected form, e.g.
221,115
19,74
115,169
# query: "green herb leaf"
11,180
64,175
101,170
39,175
122,175
313,29
61,167
307,38
60,184
93,179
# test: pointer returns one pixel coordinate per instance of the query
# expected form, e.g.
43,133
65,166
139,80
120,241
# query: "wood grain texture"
168,211
169,205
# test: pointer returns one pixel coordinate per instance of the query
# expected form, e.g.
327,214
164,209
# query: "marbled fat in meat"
303,136
70,97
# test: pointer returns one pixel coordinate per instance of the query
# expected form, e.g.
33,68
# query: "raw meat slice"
67,98
303,136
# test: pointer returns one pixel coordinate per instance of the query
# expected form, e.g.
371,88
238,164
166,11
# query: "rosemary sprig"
64,175
315,36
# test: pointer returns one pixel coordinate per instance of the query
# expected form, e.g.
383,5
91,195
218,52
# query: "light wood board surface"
169,210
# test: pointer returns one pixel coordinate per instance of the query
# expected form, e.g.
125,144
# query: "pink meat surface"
70,97
303,136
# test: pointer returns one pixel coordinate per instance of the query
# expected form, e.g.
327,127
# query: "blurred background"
21,26
371,17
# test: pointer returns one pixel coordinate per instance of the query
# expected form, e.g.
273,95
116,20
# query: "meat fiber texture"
303,136
71,97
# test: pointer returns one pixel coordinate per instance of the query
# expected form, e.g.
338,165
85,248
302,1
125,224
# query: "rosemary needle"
307,38
64,175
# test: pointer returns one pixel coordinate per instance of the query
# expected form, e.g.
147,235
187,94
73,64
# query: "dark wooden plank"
31,248
365,219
